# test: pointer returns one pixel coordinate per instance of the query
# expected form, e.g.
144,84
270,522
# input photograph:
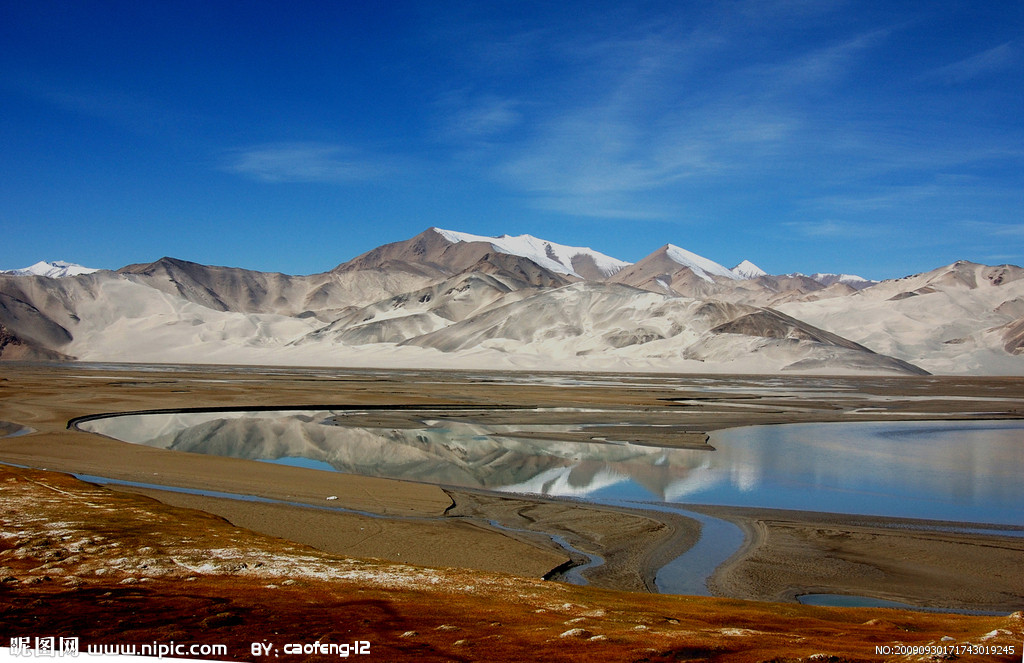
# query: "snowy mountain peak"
748,270
55,269
555,257
701,266
852,280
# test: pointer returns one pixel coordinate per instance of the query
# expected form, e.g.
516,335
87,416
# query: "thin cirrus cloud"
833,228
111,105
822,66
305,162
593,166
485,118
586,123
989,61
656,119
1009,231
608,160
601,154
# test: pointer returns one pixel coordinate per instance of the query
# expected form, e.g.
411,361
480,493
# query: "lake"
965,473
960,471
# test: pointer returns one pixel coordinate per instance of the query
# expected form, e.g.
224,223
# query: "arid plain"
443,573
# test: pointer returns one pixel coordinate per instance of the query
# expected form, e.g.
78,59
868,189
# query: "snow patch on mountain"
56,269
556,257
701,266
827,279
748,270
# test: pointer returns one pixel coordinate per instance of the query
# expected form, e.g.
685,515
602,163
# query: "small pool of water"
8,429
849,601
854,601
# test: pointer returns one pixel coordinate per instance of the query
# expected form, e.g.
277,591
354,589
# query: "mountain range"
446,299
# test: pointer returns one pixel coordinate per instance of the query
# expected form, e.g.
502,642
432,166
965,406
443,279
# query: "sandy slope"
950,320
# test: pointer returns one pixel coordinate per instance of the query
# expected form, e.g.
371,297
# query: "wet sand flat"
429,525
789,554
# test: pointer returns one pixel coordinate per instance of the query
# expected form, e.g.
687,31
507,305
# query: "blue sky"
877,138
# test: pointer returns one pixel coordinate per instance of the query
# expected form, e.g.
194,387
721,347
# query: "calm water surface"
959,471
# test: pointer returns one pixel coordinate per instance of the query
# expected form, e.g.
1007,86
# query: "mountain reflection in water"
446,452
956,471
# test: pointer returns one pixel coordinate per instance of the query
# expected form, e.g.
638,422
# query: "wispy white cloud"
489,117
825,65
603,206
594,163
766,99
992,60
304,162
835,229
774,10
935,197
646,112
941,213
613,159
113,106
885,197
631,129
479,118
1012,231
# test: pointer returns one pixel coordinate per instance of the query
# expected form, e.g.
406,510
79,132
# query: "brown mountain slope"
246,291
434,255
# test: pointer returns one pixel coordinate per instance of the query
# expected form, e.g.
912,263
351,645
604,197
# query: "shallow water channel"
964,471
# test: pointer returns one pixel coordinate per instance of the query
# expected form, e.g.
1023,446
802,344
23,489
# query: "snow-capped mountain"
558,258
748,270
701,266
56,269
